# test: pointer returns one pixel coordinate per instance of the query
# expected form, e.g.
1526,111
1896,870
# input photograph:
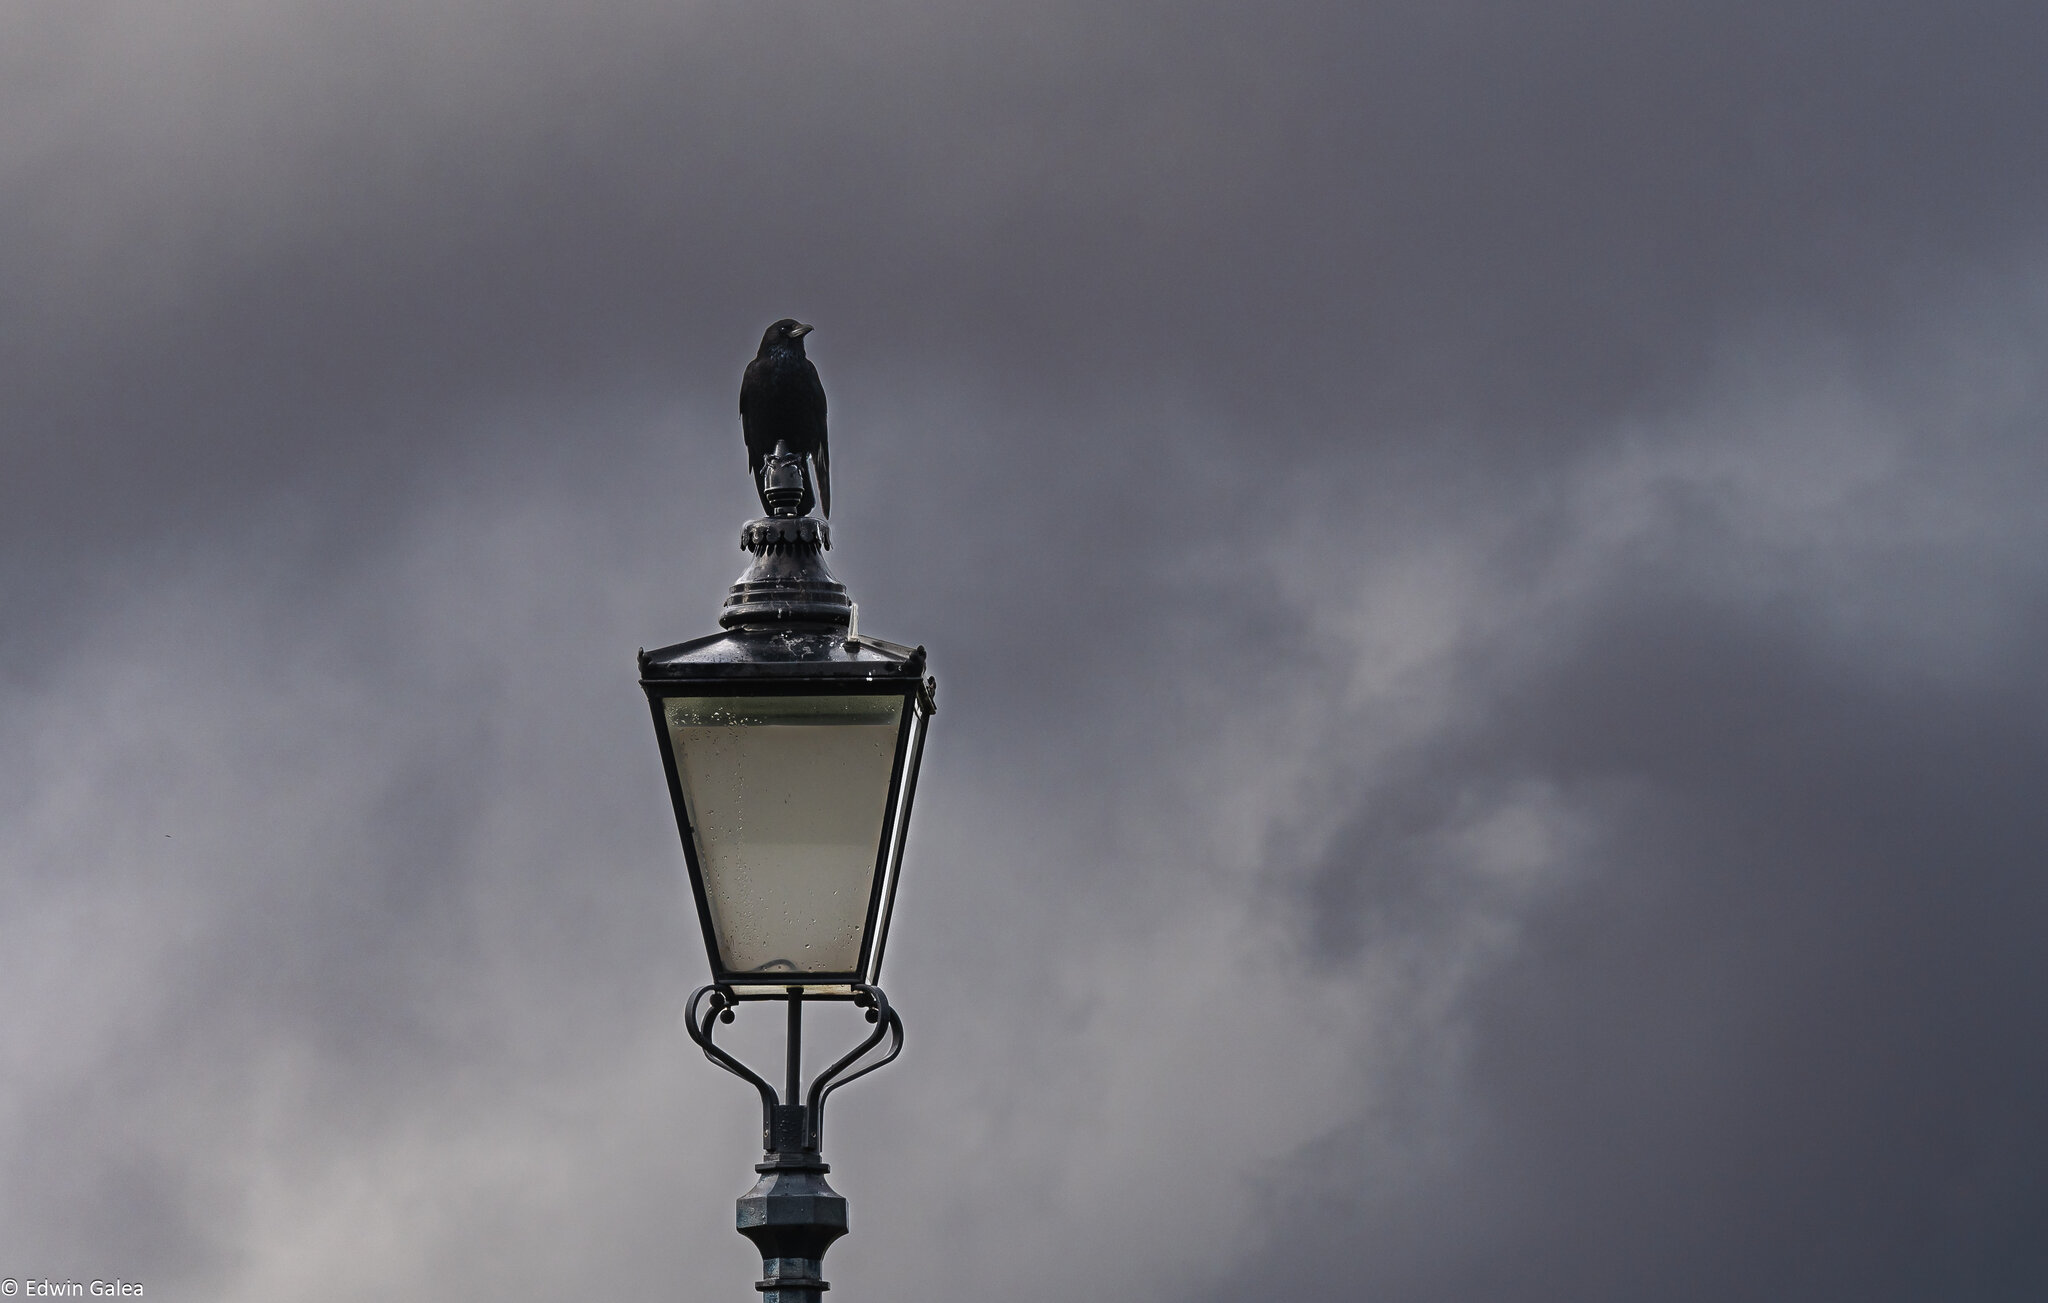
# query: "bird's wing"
754,452
819,458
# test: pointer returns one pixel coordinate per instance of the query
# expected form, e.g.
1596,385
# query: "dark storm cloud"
1763,1041
1489,550
1752,805
1354,207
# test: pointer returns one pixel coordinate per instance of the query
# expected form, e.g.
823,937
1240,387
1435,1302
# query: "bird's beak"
798,332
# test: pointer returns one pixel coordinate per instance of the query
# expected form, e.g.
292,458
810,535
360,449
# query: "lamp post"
791,745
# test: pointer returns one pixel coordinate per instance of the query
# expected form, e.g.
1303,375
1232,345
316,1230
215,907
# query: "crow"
783,402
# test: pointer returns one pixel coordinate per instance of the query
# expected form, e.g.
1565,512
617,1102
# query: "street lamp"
791,743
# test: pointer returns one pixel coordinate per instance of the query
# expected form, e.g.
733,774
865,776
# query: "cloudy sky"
1487,565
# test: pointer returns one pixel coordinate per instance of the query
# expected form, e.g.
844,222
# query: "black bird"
782,401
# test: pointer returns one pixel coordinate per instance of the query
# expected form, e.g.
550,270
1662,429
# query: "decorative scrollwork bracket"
795,1120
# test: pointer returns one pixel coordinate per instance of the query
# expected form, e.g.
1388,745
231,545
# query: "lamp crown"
788,583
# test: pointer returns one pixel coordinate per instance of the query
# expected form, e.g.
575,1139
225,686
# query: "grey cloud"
1483,559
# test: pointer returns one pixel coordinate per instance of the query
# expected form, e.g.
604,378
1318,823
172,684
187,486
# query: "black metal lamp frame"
870,668
791,1214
